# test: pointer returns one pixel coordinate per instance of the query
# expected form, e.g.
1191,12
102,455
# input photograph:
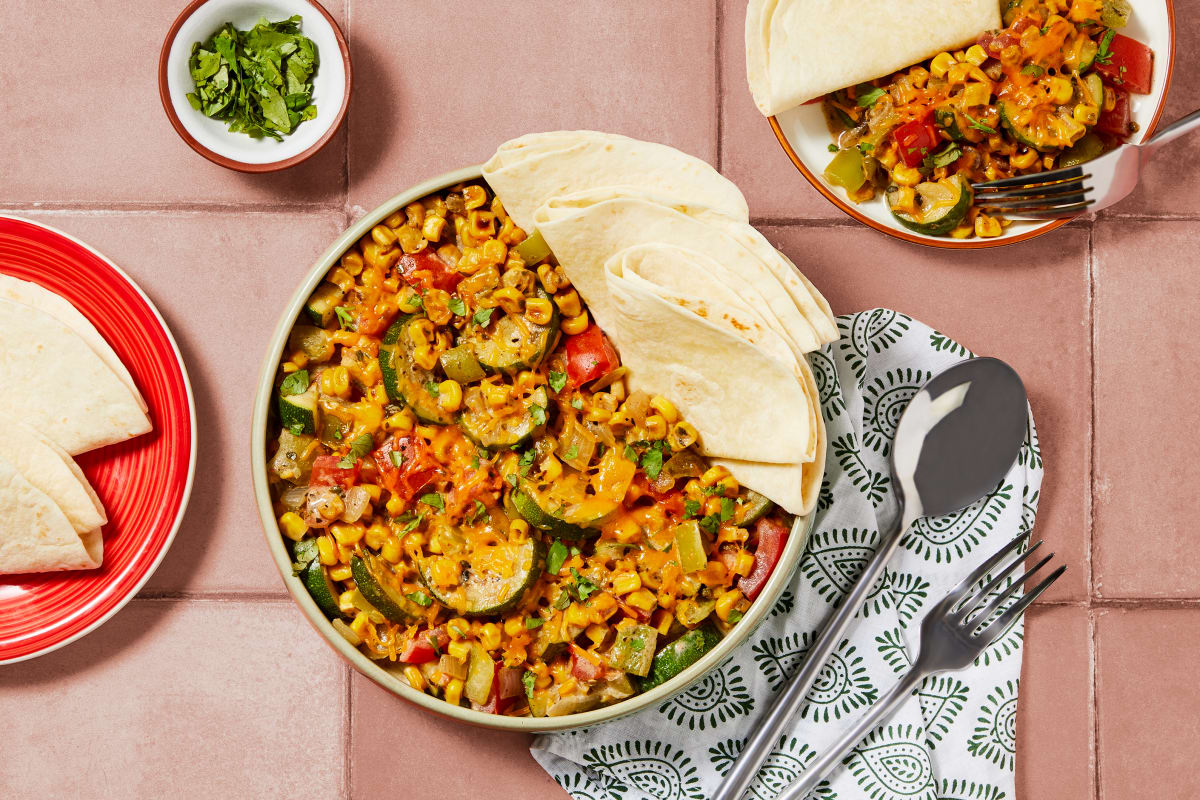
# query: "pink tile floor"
210,684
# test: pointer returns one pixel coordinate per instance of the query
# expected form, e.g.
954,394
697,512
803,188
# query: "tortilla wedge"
35,535
52,471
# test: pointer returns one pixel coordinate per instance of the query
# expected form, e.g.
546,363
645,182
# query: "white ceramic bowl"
805,138
211,137
392,678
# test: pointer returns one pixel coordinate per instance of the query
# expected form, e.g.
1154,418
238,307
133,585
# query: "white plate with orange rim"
805,137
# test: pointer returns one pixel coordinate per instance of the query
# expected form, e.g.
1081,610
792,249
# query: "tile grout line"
1093,710
115,209
1089,511
346,129
719,66
348,733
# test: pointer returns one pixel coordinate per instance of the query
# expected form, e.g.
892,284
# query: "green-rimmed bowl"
387,675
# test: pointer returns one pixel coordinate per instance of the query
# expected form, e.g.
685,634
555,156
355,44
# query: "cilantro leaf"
572,452
833,148
483,316
433,500
296,383
711,524
577,403
691,508
726,509
528,680
557,380
420,598
735,616
562,601
977,125
433,388
345,318
358,448
412,525
297,428
479,510
652,461
538,413
555,557
457,306
526,462
869,99
397,459
1104,54
630,453
533,623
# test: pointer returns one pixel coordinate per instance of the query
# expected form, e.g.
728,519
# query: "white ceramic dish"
210,137
805,137
392,679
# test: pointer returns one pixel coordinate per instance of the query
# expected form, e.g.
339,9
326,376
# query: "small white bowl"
211,137
805,138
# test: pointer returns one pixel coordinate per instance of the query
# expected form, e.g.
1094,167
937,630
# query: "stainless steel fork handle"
1173,131
762,741
824,764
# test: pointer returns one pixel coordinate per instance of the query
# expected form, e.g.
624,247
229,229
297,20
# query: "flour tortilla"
30,294
52,471
53,381
796,487
586,228
528,171
35,535
742,400
798,50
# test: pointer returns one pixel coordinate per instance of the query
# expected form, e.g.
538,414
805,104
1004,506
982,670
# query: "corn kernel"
414,677
489,636
510,299
575,325
474,196
454,689
326,551
293,526
494,252
987,226
1086,114
551,468
539,310
744,563
712,505
548,277
1024,160
656,427
346,601
627,531
395,505
513,626
595,414
576,615
976,94
518,529
568,303
726,602
426,357
906,175
347,534
335,382
340,573
642,599
941,64
400,421
458,628
712,475
377,535
682,436
449,395
360,623
1061,90
627,582
383,235
976,55
664,407
496,394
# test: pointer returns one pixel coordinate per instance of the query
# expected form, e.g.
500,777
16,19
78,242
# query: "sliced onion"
684,464
356,500
294,498
347,632
449,665
324,506
638,406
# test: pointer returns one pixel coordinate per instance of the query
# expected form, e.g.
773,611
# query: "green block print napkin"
954,739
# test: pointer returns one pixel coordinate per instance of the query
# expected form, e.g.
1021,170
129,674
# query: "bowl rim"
164,94
965,244
759,610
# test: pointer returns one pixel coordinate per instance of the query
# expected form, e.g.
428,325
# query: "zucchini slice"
315,342
940,207
320,306
316,580
753,508
487,427
513,343
406,382
380,588
562,509
298,412
494,578
679,655
1045,128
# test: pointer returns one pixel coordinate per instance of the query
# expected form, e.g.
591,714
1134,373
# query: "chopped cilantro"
711,524
562,601
557,380
1104,54
526,462
652,461
630,453
296,383
358,448
726,509
1033,70
457,306
483,316
538,413
867,100
433,500
577,403
512,479
297,428
833,148
555,557
582,588
533,623
865,147
432,388
420,598
437,651
977,125
528,680
735,616
479,509
943,158
716,488
397,459
691,508
572,452
412,525
345,318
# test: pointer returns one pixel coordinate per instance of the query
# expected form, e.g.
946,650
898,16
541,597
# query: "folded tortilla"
528,171
52,470
586,228
746,403
798,50
31,294
35,535
51,379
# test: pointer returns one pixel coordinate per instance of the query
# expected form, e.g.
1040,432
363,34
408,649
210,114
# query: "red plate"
144,482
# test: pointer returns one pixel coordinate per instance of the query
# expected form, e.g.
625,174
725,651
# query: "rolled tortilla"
528,171
35,535
51,379
586,228
798,50
31,294
745,403
52,471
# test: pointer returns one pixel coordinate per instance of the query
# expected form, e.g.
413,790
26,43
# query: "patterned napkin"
954,739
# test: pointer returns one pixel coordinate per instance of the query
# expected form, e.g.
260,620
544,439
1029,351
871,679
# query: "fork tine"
977,619
993,631
969,605
1067,173
1055,191
956,594
1045,212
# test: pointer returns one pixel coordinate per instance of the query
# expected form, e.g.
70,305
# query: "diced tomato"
416,469
425,270
425,647
496,704
589,356
915,140
772,536
1118,121
326,472
994,42
1130,64
583,668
